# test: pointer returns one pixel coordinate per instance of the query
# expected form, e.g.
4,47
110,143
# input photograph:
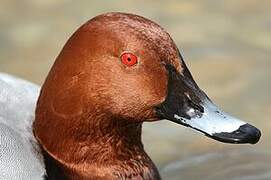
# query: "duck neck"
109,149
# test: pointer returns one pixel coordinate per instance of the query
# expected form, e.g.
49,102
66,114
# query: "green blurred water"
226,44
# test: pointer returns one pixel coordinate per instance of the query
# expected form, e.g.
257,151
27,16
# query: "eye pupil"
129,59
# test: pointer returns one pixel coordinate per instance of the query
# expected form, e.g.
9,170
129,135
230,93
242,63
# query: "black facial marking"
183,95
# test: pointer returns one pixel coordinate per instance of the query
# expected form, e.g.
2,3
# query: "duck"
116,72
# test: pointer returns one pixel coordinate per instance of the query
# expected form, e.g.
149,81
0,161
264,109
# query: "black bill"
188,105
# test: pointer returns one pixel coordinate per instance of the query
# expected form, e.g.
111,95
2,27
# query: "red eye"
128,59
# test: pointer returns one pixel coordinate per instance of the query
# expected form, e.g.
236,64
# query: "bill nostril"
194,105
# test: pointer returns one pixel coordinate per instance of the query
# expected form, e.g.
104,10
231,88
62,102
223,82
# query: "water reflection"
223,165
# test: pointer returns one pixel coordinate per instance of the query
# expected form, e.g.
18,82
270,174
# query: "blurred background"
226,45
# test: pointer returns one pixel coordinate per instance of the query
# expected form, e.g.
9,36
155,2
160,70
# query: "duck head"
115,72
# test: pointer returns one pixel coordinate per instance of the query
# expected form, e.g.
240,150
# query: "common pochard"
117,71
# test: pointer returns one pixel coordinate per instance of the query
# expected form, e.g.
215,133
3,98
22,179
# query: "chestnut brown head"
126,67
